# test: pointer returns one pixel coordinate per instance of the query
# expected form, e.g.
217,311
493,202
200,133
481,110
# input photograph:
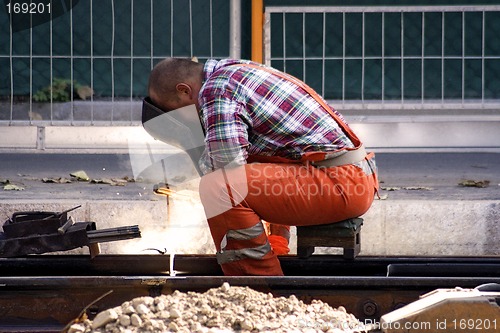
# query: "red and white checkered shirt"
248,111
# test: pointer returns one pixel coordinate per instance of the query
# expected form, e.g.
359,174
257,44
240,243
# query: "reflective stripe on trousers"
226,256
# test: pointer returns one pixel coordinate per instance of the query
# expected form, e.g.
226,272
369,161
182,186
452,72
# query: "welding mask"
180,128
149,110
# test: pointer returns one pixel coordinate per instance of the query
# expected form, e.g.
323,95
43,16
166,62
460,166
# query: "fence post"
40,138
257,30
235,29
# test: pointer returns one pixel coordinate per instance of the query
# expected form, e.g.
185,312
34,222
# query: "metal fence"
88,61
390,57
416,57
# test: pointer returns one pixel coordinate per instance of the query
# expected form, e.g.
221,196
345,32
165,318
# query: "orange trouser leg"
236,200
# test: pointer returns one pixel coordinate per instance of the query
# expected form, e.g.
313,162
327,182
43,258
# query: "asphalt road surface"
402,176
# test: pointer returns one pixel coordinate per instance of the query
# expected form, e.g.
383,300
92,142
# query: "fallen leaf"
129,179
12,187
413,188
120,181
391,188
60,180
80,175
382,197
112,182
474,183
4,181
84,92
99,181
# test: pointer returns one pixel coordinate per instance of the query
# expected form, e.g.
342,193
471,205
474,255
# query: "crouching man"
275,155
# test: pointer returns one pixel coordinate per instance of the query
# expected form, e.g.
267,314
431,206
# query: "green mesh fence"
357,53
405,53
109,45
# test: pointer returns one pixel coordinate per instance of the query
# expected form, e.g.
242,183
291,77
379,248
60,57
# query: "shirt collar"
213,65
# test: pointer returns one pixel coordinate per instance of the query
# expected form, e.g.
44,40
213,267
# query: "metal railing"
381,58
104,47
416,57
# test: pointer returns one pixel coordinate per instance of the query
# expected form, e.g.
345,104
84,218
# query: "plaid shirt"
247,111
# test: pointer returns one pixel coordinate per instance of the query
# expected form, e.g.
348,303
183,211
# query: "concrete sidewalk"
422,211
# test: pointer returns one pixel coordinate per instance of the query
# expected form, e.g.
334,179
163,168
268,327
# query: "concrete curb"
391,227
446,220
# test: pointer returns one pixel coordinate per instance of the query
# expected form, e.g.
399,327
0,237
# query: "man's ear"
183,88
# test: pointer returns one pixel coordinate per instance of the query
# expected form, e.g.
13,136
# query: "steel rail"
31,303
206,265
44,293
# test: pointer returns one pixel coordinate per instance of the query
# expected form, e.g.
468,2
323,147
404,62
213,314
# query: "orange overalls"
281,192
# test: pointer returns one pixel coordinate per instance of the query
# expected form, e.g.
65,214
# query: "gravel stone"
104,317
124,320
77,328
225,287
222,310
142,309
174,313
128,309
135,320
173,326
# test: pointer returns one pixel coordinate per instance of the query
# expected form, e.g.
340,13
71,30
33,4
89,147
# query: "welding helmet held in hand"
180,128
149,110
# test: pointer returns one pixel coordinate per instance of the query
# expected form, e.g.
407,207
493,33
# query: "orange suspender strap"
347,130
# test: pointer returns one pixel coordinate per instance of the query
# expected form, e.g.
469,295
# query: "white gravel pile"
223,309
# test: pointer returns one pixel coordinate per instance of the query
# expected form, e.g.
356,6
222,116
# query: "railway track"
43,293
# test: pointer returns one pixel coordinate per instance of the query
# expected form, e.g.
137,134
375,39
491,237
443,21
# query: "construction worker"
275,155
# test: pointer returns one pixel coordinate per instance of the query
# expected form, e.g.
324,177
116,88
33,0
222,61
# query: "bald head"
168,74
